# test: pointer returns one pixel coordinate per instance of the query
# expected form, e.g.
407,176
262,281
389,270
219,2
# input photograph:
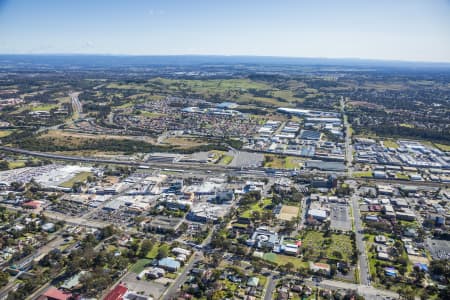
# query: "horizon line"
231,55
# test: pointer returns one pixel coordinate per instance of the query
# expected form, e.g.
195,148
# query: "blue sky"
381,29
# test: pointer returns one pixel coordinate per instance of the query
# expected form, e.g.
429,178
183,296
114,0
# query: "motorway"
76,103
257,172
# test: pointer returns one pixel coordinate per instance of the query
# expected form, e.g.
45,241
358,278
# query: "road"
271,285
363,265
77,107
179,281
364,272
42,251
348,140
368,292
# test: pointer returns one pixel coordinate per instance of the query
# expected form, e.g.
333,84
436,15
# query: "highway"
257,172
76,104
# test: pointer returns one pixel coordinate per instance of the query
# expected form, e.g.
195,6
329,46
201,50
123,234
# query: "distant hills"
131,60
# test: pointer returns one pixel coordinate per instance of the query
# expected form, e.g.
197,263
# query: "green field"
80,177
255,207
16,164
390,144
442,147
242,91
363,174
316,243
281,162
225,160
44,107
402,176
281,260
153,253
5,133
139,266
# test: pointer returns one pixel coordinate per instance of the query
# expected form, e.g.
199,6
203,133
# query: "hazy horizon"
410,31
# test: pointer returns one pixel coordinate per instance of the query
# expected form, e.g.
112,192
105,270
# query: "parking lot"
144,287
439,249
247,159
340,217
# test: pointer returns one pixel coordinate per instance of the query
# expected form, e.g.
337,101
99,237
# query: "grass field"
280,260
16,164
184,142
44,107
363,174
153,253
256,207
149,114
66,138
280,162
401,176
225,160
80,177
315,241
442,147
139,266
390,144
5,133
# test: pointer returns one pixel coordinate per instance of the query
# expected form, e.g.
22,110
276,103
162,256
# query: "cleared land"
80,177
60,137
184,142
288,212
281,260
316,246
390,144
282,162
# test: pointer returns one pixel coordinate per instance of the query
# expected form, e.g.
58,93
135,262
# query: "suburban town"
202,199
224,150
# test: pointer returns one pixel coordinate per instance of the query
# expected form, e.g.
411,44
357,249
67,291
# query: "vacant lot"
60,137
282,162
80,177
390,144
184,142
337,246
281,260
288,212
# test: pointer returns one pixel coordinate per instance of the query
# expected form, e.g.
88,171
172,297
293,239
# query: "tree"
163,251
3,278
337,254
146,246
289,266
4,165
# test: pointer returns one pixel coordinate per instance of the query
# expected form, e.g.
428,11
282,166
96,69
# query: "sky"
415,30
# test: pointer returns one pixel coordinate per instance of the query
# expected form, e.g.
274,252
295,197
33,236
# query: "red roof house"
55,294
116,293
32,204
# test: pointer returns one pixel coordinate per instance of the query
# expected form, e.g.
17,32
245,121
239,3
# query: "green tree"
146,246
163,251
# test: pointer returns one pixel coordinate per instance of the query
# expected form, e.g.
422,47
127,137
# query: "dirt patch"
288,212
